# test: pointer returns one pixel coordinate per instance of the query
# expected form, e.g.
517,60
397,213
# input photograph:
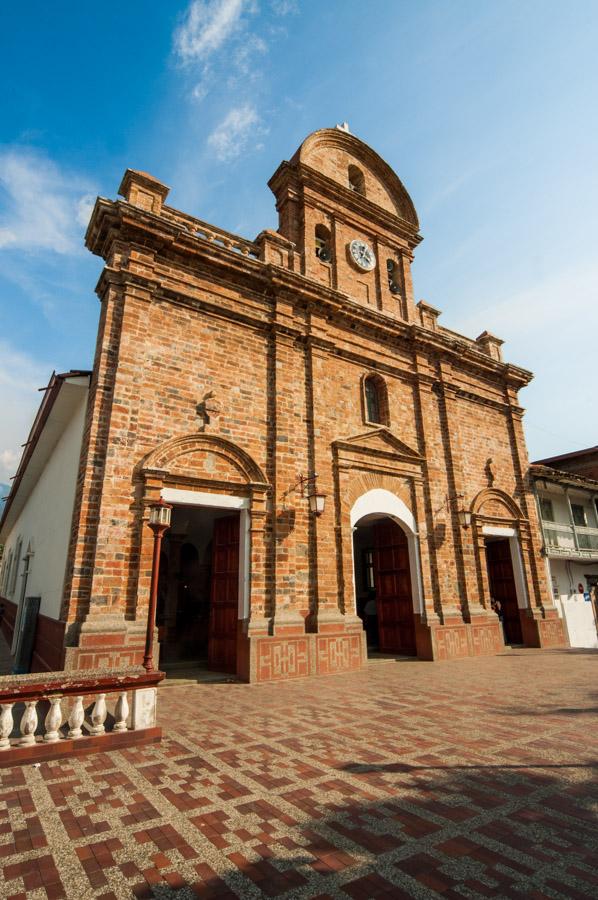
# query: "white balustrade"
53,720
61,724
98,715
76,718
29,722
121,712
6,725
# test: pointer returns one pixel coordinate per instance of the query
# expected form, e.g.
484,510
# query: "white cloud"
284,7
20,377
217,45
235,132
208,24
244,56
40,205
201,89
84,208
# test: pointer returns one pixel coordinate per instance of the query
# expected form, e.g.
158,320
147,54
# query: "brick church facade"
244,382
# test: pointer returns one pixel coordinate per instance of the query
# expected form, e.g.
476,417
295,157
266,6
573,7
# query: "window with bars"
579,514
546,510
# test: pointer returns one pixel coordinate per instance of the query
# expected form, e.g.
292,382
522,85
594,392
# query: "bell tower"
351,219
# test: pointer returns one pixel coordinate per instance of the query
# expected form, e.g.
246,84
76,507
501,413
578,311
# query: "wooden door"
392,580
224,595
502,587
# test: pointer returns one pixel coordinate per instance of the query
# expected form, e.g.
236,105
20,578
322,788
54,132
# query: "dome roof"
332,150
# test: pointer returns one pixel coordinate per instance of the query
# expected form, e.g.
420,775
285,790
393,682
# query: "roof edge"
51,392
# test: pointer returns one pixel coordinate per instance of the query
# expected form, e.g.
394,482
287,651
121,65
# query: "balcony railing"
53,714
587,538
570,540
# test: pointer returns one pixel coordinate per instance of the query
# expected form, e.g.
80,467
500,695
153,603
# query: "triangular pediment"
378,441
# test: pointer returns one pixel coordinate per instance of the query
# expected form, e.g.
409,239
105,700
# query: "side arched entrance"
212,573
386,572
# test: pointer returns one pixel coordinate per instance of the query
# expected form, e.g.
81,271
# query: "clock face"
362,255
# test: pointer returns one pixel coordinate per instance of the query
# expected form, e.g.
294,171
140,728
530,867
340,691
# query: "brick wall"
280,351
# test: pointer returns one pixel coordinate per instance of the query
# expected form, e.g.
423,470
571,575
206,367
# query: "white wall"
578,614
45,519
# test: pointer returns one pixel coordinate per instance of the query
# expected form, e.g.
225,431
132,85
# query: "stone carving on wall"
207,409
490,471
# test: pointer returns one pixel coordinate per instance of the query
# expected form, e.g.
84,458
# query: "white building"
568,510
35,527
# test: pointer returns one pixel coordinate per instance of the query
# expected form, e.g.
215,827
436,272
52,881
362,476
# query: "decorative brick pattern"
338,654
287,658
403,780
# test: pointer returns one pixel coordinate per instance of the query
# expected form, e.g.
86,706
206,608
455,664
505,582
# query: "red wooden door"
392,580
224,595
502,587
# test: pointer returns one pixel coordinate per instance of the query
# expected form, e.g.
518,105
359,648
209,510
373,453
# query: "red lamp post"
159,522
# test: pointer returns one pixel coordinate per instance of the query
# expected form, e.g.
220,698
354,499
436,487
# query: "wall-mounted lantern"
306,484
463,515
317,503
464,518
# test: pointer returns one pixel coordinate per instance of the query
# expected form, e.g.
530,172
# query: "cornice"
111,217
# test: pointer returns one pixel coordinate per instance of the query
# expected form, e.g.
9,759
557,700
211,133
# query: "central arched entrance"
383,586
386,572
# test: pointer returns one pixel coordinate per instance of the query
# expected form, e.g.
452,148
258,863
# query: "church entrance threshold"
198,594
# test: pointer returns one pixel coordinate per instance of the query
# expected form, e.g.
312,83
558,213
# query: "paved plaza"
469,779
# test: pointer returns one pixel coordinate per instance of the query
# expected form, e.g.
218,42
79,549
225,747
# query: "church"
345,475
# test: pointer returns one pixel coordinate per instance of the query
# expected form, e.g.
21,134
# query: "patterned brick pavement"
464,779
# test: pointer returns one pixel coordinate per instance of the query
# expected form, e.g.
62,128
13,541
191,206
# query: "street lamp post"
159,522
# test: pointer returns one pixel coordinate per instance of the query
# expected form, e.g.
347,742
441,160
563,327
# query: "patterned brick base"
264,657
296,656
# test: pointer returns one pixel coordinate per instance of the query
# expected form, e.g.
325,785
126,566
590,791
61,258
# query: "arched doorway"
383,586
198,597
386,572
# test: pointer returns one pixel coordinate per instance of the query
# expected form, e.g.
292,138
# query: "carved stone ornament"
208,409
490,471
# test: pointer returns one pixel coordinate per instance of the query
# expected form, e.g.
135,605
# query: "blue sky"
486,110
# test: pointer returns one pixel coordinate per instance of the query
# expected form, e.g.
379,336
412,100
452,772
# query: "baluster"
29,722
121,712
6,725
76,718
53,720
98,715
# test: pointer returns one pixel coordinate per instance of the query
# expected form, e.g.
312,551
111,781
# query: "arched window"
356,180
323,243
394,276
375,400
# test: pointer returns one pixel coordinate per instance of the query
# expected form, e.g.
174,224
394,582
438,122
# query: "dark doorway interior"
383,586
502,586
199,589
